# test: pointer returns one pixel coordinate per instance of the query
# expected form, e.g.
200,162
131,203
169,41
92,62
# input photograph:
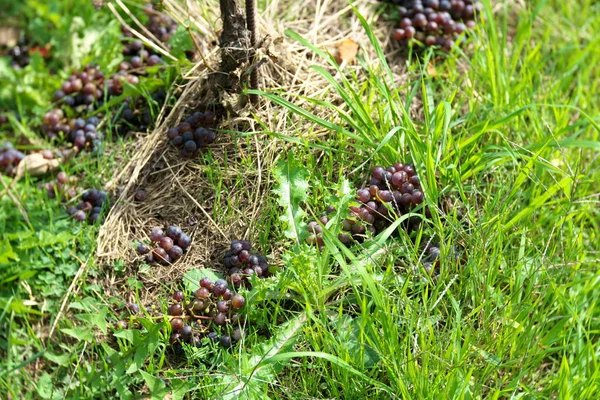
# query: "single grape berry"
156,234
237,301
219,290
206,283
184,241
225,341
176,324
175,309
220,319
174,232
166,243
176,252
143,249
186,333
178,295
202,293
222,306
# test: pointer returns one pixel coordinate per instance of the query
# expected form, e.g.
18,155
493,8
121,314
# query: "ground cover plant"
320,211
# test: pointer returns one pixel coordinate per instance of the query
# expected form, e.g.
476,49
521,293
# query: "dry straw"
185,192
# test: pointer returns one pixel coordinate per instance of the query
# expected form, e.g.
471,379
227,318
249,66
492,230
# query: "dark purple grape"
184,241
176,324
220,319
186,333
175,309
174,232
206,283
218,290
175,252
79,216
159,254
140,195
178,295
236,335
225,341
222,306
236,247
166,243
156,234
143,249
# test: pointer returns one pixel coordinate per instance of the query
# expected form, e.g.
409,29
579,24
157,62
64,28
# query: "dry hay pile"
184,192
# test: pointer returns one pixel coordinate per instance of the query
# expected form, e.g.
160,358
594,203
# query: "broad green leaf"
292,190
193,276
255,371
60,359
158,389
84,334
96,319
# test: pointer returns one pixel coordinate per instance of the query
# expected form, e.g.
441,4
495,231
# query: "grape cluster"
9,158
62,187
159,24
138,57
192,135
391,193
54,123
82,88
90,207
135,114
170,245
434,22
242,263
114,85
81,133
213,313
19,56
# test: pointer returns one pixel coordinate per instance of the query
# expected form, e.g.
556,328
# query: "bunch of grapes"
392,192
54,123
192,135
82,88
9,158
138,57
90,207
242,263
80,133
213,313
61,187
19,56
114,85
83,134
135,114
434,22
170,245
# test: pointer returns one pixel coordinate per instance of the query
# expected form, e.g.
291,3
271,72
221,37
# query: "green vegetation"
504,134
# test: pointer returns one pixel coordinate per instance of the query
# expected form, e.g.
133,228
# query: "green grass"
509,131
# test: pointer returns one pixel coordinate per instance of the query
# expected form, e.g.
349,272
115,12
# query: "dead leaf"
431,71
346,51
35,164
9,36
